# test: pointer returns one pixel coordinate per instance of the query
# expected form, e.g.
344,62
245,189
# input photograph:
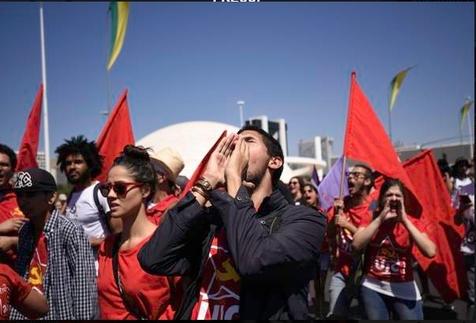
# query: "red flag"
446,269
201,167
31,136
367,141
116,134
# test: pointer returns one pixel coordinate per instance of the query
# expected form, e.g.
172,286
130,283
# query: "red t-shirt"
342,254
153,295
39,261
389,253
155,213
219,297
13,290
9,209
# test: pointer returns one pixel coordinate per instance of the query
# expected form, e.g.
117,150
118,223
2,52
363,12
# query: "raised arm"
176,245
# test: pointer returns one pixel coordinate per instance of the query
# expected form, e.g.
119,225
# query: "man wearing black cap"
54,254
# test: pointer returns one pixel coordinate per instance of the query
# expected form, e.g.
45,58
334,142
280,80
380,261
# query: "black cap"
34,180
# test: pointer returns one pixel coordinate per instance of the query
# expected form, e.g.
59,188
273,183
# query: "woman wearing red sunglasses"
125,290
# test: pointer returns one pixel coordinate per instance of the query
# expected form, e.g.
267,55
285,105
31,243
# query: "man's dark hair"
369,174
272,146
80,146
4,149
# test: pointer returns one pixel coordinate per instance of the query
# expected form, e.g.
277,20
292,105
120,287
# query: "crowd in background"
239,244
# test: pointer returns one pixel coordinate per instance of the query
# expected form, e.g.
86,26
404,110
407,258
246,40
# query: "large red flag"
117,133
446,269
201,167
366,141
31,136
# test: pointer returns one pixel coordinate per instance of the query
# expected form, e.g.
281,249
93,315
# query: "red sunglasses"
120,188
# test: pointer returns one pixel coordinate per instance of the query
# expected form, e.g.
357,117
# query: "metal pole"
45,99
470,134
390,125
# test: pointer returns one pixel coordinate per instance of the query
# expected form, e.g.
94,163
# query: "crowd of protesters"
240,244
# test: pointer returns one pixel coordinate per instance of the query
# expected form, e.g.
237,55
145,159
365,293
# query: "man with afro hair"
81,163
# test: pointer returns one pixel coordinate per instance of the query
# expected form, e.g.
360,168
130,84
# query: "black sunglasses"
120,188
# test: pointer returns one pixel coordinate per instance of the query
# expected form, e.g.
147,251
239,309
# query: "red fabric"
31,136
220,286
116,134
9,209
39,261
342,254
367,141
201,167
389,254
446,269
13,290
152,295
155,213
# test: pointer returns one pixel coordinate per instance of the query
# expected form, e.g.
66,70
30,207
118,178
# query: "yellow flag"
464,111
395,86
119,14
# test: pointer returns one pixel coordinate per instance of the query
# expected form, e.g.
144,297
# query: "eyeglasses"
120,188
355,174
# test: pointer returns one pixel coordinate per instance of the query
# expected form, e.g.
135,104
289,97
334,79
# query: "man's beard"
256,179
83,177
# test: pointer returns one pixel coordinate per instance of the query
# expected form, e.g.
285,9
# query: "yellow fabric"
122,16
395,85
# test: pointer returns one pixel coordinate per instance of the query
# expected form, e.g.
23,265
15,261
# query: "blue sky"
189,61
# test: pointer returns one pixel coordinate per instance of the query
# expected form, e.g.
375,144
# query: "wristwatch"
205,185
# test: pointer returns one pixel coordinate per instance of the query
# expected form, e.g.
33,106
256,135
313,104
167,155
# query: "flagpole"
108,75
470,133
342,178
45,100
390,125
353,75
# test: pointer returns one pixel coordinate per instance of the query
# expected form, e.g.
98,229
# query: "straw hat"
167,161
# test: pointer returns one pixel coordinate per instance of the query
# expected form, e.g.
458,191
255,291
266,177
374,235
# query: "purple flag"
329,187
315,177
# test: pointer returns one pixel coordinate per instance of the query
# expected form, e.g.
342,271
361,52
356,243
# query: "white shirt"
83,210
404,290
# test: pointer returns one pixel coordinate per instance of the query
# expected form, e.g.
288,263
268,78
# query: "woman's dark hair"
80,146
4,149
137,161
389,182
314,188
311,186
301,183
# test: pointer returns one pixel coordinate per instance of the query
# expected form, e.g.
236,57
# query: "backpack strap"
102,213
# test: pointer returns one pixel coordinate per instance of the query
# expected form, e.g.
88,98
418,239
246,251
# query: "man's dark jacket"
275,268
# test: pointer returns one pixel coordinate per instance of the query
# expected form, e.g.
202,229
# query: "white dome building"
192,140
